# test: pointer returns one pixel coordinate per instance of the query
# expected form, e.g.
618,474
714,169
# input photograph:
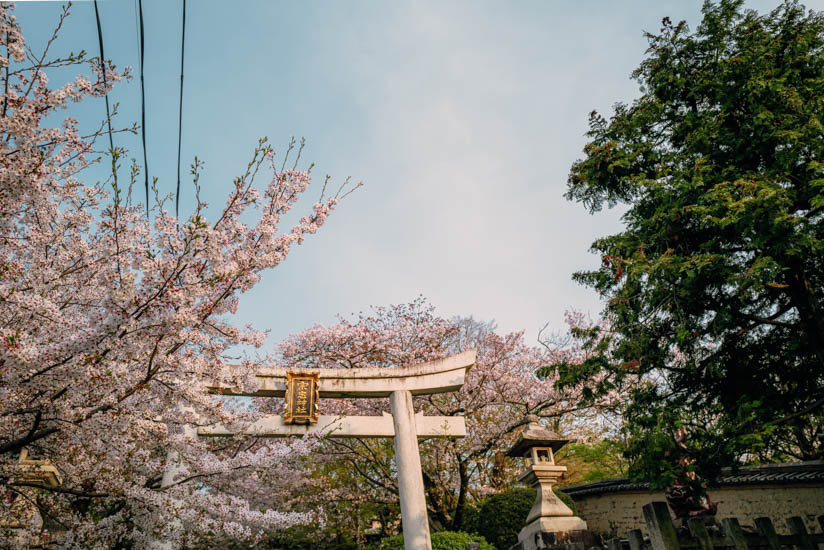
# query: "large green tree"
713,291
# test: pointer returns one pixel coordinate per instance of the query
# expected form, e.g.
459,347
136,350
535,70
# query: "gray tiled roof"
767,474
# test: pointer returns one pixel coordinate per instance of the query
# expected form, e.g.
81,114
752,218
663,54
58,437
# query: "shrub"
443,540
303,537
471,518
503,515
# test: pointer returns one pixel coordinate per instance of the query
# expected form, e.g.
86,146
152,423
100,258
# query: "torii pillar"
400,384
410,478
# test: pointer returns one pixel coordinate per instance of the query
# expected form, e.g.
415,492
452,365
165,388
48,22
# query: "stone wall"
614,513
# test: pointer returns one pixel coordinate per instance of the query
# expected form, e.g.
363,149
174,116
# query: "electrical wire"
105,85
180,111
143,106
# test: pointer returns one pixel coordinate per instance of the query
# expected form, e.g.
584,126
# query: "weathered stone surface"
547,503
614,514
552,536
347,426
444,375
535,435
661,529
410,479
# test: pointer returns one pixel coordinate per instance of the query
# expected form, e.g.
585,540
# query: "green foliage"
300,537
715,289
503,515
593,462
472,516
443,540
304,537
566,499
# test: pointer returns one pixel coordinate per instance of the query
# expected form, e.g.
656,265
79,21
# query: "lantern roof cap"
535,435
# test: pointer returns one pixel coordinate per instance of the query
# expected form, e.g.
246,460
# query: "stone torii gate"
400,384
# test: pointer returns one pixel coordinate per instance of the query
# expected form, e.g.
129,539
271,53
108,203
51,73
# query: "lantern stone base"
543,476
550,522
560,529
555,534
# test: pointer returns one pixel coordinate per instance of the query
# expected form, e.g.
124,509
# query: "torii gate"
399,384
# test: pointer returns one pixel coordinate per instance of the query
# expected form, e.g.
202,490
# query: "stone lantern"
27,515
37,471
549,514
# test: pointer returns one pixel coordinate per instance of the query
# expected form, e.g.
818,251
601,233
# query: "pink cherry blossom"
499,391
112,324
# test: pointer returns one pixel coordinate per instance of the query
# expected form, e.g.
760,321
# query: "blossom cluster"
114,316
500,390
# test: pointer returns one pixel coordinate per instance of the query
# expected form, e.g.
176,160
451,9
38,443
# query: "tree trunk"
358,541
438,518
460,508
809,310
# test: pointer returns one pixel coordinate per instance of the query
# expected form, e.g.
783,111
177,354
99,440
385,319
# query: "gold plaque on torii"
301,398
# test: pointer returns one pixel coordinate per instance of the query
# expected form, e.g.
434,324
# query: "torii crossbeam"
399,384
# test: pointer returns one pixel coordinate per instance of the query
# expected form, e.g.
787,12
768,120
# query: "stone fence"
696,535
612,507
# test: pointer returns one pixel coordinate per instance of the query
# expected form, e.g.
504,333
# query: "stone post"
410,479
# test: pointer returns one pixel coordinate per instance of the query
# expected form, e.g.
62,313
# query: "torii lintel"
399,384
443,375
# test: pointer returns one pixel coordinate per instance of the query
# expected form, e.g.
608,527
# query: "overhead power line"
180,111
105,85
143,106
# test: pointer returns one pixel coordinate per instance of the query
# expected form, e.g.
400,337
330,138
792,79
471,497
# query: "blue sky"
461,118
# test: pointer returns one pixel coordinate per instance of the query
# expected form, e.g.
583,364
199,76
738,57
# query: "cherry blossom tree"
112,319
500,390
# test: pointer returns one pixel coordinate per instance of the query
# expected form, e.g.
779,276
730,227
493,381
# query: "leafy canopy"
714,289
